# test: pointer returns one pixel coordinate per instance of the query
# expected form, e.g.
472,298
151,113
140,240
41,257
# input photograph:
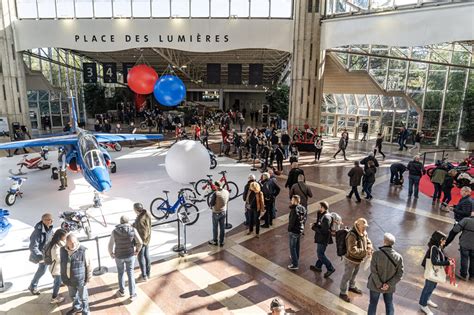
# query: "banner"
197,35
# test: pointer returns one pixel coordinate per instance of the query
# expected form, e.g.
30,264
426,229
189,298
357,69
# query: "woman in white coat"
58,241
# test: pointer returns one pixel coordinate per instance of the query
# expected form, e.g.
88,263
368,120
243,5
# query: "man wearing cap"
358,247
143,226
219,201
125,243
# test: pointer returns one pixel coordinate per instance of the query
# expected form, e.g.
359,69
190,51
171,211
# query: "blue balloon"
169,90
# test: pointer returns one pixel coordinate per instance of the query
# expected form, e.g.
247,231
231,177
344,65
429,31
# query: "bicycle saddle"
210,176
69,213
166,191
192,183
222,172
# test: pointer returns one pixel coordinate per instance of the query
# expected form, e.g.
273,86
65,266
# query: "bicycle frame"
172,209
213,187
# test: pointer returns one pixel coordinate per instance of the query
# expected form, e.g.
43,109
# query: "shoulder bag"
434,273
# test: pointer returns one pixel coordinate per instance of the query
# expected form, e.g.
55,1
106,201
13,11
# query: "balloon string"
169,70
142,60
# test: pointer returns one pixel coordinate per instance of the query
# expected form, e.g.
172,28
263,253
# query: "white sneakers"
426,310
432,304
57,300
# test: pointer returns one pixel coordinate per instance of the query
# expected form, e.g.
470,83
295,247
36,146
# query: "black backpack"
341,246
47,258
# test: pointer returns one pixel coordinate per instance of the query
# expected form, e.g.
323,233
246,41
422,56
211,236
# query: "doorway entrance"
333,125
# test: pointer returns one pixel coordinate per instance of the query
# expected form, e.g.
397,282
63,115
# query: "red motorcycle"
112,145
33,163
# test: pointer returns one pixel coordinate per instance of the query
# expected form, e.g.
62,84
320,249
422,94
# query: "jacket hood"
357,229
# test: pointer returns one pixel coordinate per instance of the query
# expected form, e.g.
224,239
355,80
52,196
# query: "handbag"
434,273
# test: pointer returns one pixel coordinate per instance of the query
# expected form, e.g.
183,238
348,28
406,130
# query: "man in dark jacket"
355,175
322,238
297,219
251,179
466,246
293,175
76,272
415,171
270,191
462,210
302,190
365,129
125,243
402,138
396,172
285,141
386,270
41,235
370,157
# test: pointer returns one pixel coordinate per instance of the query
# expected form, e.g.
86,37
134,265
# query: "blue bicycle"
161,208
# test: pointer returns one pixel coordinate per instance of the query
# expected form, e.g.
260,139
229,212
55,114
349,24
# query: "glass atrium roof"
50,9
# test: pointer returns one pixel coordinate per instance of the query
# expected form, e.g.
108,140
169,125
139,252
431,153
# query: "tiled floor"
245,275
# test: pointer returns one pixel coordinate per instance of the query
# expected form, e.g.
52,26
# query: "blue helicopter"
83,152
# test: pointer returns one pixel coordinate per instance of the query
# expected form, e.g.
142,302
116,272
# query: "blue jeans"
367,188
128,264
38,274
144,261
218,221
286,150
467,262
294,248
80,298
56,285
413,182
427,291
322,259
374,300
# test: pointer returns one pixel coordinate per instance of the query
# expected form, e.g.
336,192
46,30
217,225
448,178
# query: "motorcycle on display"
75,221
33,163
212,156
14,190
112,145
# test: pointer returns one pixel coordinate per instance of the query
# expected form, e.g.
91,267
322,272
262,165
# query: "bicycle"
205,187
161,208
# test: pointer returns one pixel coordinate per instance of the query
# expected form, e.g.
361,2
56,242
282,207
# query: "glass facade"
49,9
63,70
431,79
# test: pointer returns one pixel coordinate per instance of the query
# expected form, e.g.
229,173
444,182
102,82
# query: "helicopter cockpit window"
93,159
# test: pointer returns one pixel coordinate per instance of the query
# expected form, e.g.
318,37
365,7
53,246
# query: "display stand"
100,270
183,219
179,247
4,286
227,224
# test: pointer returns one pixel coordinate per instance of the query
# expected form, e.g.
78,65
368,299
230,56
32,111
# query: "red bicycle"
205,187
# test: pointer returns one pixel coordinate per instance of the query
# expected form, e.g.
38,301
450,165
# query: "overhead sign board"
197,35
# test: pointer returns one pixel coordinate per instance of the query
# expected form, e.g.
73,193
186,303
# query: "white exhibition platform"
140,177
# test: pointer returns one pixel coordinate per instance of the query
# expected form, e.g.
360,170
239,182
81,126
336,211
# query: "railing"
99,270
444,155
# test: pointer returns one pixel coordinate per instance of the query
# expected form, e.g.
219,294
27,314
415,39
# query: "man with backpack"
386,270
301,189
355,248
41,235
297,219
293,175
322,238
270,191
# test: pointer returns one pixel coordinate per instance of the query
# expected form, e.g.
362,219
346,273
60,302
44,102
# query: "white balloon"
187,161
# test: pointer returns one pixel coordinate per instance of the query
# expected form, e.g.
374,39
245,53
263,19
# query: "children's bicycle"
161,208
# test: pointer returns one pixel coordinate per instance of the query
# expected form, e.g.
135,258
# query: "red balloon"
141,79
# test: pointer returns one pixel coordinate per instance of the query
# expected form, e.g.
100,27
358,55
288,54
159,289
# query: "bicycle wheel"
202,187
189,195
118,147
213,163
158,208
143,126
189,213
233,190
